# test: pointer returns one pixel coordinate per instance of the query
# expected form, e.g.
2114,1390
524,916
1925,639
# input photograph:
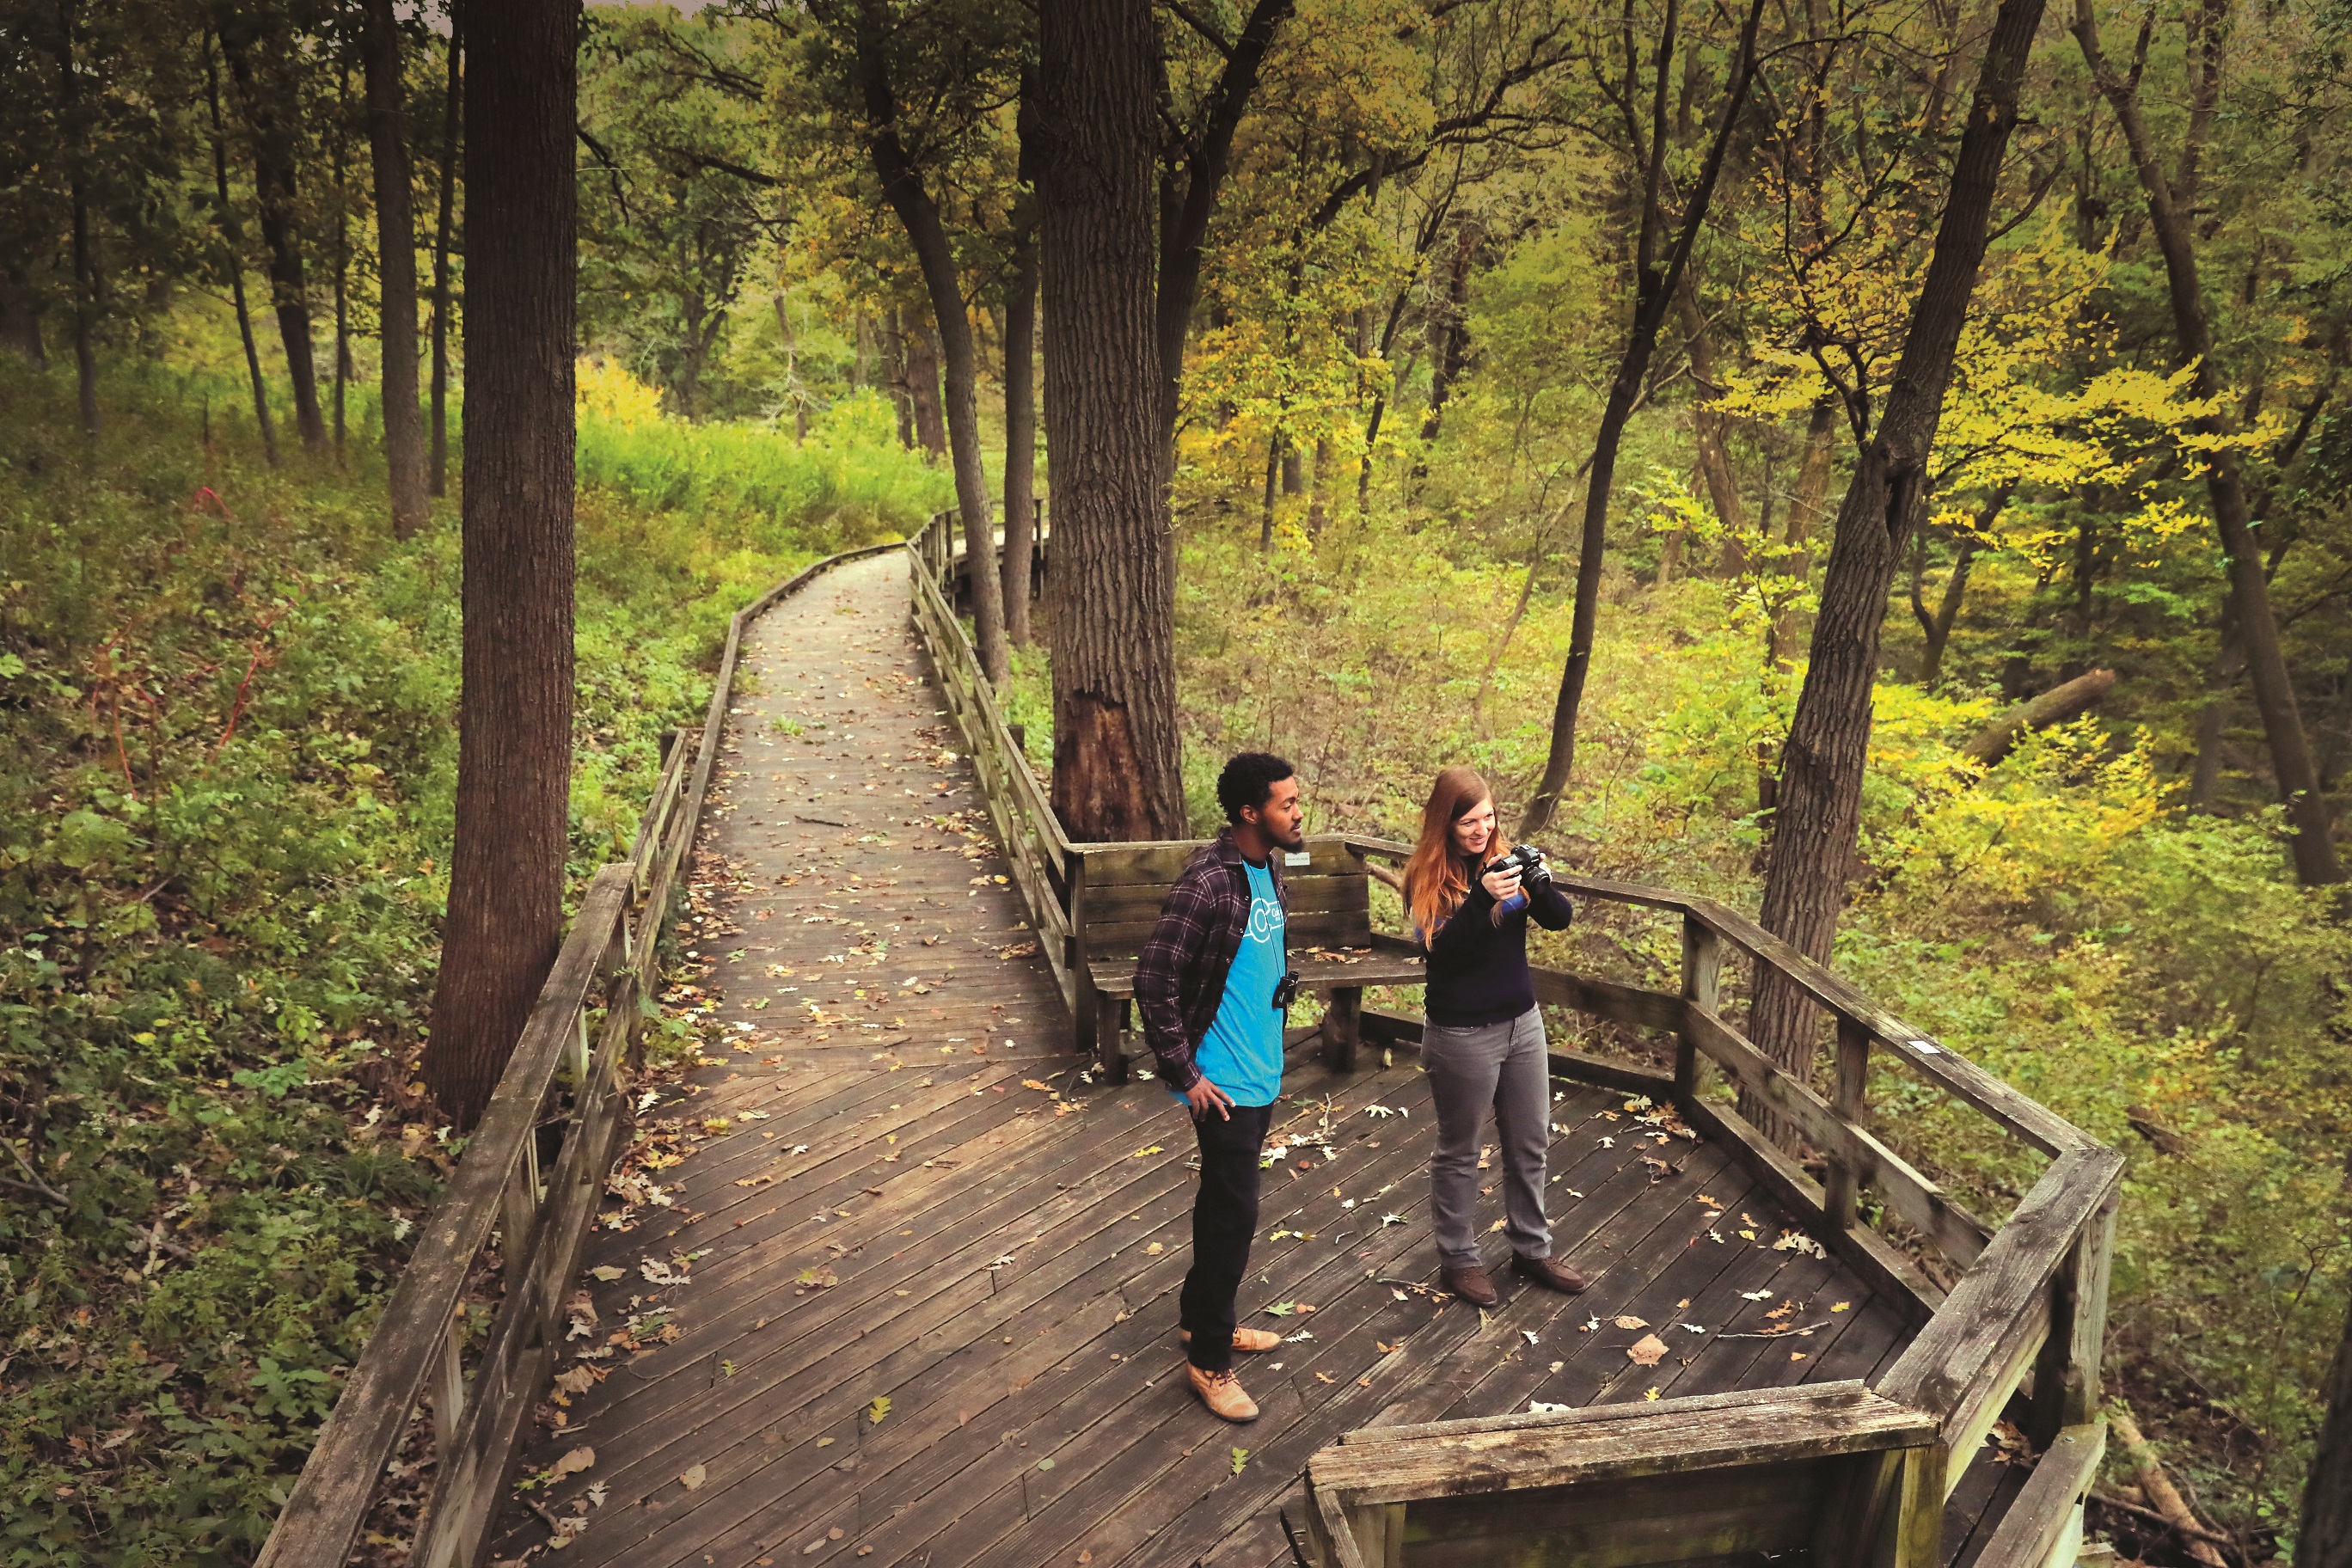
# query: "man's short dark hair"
1248,780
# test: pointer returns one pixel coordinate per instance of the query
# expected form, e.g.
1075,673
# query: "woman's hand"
1500,885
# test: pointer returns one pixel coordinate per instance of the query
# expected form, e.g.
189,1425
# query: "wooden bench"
1116,891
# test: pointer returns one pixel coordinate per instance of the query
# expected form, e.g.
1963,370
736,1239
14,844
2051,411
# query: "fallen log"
2163,1497
2055,706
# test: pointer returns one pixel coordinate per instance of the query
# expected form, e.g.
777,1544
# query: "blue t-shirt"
1243,1051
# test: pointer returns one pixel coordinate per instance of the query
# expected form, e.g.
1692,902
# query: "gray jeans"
1503,1068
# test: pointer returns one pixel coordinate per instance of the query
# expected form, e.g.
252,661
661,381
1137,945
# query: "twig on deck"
1778,1333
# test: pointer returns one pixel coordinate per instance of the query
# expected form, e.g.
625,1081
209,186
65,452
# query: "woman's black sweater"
1478,964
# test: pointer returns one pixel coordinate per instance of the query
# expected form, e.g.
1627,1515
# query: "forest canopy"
1534,384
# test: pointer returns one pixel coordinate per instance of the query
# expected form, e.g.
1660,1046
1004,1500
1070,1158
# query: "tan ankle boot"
1258,1339
1222,1393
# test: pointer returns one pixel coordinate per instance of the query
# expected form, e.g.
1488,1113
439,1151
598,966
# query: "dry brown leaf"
693,1478
1630,1322
1647,1351
572,1463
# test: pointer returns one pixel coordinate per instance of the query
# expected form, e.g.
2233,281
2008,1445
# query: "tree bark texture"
1021,420
903,188
1808,504
923,387
1823,761
233,261
278,200
2316,861
1205,155
437,471
1655,287
1116,749
514,724
85,265
2325,1540
395,226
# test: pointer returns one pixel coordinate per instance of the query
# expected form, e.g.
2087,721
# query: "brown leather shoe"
1222,1393
1472,1285
1243,1339
1550,1273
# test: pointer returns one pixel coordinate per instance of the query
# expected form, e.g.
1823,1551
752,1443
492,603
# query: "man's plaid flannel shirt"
1179,979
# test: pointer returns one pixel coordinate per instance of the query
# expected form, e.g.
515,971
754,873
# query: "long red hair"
1437,878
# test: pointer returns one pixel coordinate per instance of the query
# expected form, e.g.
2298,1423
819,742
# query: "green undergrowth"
2152,975
228,751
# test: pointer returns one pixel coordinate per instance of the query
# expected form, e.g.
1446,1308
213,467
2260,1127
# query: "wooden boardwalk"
909,1296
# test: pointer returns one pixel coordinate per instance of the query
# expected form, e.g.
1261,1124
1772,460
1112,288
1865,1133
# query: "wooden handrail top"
1616,1442
322,1518
1956,1075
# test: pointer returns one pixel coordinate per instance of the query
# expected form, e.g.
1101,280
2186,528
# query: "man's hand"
1204,1096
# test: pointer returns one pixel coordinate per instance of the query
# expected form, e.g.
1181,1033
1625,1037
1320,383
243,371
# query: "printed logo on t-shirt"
1265,918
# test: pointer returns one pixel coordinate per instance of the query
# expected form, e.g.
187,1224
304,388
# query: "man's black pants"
1224,1218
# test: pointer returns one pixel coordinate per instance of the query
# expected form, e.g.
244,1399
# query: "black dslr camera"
1285,992
1528,860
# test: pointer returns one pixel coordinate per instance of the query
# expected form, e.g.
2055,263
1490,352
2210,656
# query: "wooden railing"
566,1084
2027,1309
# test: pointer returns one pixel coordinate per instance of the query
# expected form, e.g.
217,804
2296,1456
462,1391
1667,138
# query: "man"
1207,987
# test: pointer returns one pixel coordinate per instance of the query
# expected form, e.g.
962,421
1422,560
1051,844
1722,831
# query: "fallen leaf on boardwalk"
571,1464
1392,1219
1530,1335
1301,1334
1241,1457
817,1278
1649,1393
1748,1236
659,1273
1018,950
825,1442
1798,1242
1387,1349
878,1410
1756,1295
598,1492
694,1476
1282,1309
753,1181
1154,1250
1841,1306
1630,1322
579,1379
1033,1083
607,1273
1647,1351
753,1115
1796,1355
1145,1153
1708,1201
1693,1328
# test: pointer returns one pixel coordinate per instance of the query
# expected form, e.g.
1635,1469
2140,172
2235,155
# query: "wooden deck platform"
910,1297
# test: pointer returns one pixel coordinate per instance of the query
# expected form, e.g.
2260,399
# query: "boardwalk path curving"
908,1296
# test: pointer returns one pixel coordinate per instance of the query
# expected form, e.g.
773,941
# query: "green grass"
226,760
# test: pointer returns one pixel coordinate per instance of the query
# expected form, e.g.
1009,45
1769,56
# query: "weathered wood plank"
1848,1390
2008,1284
2035,1531
2067,1379
1651,1440
1920,1201
322,1518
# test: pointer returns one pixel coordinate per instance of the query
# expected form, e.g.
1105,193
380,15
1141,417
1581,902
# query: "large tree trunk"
233,261
1449,337
1113,587
85,263
2316,861
436,473
1654,289
1821,764
343,360
902,186
514,722
2325,1540
279,199
1021,406
403,430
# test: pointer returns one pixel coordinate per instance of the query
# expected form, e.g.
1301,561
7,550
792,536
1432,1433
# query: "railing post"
2066,1373
1702,985
450,1399
1841,1200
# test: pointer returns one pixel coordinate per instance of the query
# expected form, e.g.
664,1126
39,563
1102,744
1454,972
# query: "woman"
1483,1045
